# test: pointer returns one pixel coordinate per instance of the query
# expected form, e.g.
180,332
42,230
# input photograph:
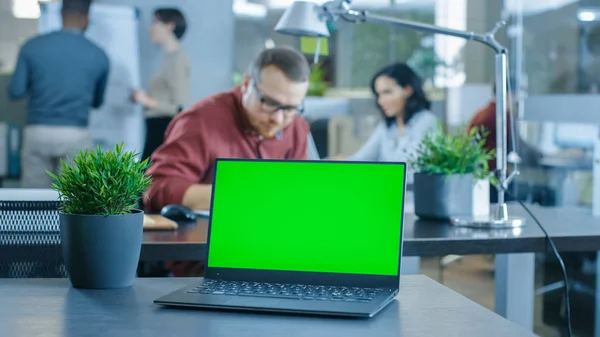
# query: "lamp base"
488,222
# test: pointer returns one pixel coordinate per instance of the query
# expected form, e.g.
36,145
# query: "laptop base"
182,298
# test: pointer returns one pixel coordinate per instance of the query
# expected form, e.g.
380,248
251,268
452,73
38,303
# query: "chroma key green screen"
310,216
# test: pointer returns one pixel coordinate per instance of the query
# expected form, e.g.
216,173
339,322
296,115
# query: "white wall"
13,32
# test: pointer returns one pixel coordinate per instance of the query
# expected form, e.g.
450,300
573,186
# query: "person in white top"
406,117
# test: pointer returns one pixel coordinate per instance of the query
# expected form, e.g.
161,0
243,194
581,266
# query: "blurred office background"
554,50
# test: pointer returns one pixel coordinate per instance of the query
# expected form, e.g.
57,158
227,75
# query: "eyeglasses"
271,106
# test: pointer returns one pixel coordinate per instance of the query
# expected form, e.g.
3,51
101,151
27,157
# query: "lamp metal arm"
340,9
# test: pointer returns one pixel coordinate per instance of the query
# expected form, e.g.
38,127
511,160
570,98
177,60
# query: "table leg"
596,181
557,180
597,298
411,265
514,288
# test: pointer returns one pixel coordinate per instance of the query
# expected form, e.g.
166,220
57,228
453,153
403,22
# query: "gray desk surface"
50,307
573,229
566,163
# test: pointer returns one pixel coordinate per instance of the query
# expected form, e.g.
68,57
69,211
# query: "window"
26,9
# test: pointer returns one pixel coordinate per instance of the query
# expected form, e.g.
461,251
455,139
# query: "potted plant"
316,82
100,227
451,175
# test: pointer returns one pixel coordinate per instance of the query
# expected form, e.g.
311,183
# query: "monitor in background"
307,216
575,135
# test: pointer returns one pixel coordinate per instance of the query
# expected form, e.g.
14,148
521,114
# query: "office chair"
312,152
30,240
319,132
582,287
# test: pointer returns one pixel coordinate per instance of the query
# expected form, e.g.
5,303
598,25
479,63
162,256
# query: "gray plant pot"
101,252
441,197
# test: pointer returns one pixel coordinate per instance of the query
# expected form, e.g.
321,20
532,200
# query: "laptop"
307,237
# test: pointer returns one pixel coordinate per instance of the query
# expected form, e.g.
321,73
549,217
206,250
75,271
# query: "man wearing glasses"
257,119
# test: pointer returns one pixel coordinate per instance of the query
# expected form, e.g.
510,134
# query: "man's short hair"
81,7
291,62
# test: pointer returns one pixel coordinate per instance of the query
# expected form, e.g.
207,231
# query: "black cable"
558,257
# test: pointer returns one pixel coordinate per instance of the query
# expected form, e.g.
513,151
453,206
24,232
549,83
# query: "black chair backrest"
319,130
30,240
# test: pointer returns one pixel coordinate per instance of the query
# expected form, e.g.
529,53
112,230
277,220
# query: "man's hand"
198,196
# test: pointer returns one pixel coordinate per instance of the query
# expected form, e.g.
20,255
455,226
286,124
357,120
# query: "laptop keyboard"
288,291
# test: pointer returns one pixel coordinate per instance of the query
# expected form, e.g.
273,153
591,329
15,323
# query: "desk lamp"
304,18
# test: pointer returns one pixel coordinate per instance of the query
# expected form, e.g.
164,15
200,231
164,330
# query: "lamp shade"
302,19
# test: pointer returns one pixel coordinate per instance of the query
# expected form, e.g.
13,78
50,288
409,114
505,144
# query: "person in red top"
258,119
486,117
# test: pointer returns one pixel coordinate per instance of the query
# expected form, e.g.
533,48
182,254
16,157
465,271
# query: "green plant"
316,81
458,152
101,182
237,78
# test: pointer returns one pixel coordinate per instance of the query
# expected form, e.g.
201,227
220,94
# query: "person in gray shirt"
65,75
406,117
169,88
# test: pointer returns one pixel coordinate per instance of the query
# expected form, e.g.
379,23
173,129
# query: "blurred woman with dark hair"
169,89
406,116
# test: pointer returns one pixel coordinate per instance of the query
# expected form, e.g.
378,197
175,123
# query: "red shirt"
215,127
486,117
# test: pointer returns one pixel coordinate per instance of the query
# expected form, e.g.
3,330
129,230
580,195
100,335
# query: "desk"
186,243
559,171
50,307
573,229
567,163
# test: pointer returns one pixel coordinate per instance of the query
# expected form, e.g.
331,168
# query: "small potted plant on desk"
100,227
452,176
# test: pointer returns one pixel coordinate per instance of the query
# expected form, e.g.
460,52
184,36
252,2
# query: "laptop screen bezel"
303,277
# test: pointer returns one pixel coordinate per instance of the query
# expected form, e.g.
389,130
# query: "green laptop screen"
323,216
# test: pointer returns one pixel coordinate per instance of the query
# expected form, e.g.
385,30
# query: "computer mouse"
178,213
